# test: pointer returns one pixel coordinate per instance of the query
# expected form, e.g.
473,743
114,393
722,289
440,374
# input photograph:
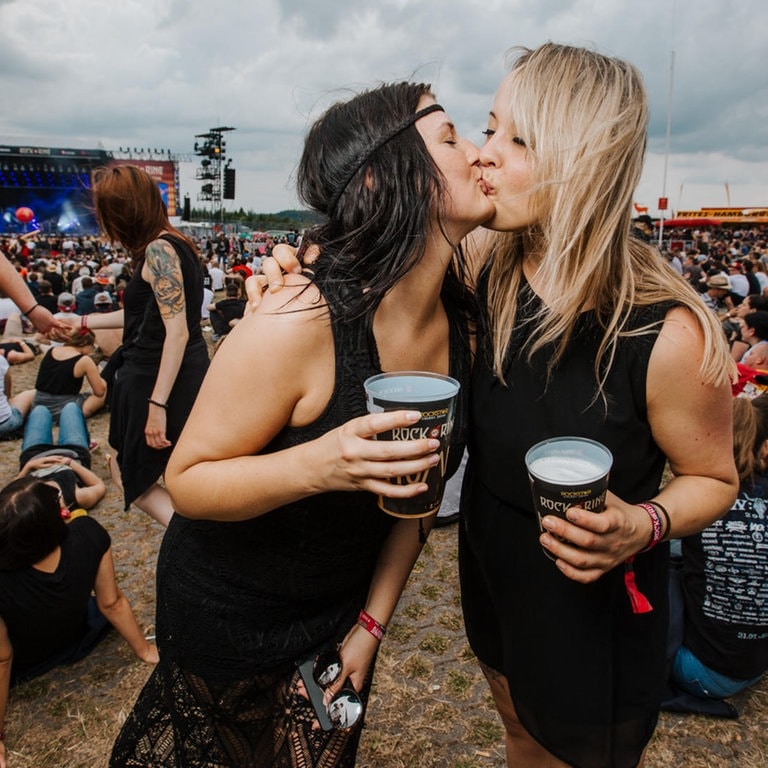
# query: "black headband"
378,144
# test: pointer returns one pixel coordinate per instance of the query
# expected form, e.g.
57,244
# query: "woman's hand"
42,462
356,462
47,324
596,542
357,652
282,261
154,431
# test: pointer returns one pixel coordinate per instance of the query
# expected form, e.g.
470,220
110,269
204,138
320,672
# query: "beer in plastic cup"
567,472
435,396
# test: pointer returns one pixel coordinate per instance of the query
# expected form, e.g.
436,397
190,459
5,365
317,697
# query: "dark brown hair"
31,526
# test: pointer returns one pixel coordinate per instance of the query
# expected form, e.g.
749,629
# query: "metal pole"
669,131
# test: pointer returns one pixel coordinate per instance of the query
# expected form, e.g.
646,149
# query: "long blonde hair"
583,117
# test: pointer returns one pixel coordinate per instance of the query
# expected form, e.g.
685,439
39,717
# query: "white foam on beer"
566,469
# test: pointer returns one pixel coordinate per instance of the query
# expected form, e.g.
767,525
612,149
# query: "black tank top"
509,419
144,330
56,377
264,591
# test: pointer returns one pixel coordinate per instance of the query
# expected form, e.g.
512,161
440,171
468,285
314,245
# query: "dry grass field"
429,708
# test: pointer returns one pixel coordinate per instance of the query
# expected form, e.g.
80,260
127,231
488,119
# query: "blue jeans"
696,678
13,423
72,427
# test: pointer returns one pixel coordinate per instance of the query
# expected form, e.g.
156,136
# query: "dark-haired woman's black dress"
585,673
239,603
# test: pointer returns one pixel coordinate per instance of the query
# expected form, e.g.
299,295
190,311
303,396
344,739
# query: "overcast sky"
153,73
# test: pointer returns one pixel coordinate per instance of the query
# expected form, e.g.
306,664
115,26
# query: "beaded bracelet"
367,622
657,531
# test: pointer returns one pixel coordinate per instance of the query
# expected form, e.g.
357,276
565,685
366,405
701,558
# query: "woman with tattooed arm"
164,357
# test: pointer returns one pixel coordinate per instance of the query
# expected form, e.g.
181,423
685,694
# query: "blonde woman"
588,333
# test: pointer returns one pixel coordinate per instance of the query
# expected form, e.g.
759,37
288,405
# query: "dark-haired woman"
48,570
164,354
279,548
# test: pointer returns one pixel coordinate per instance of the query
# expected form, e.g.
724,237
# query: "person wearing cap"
53,276
47,297
717,295
66,304
102,302
104,278
107,339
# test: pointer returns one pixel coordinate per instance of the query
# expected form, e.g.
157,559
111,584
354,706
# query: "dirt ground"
429,708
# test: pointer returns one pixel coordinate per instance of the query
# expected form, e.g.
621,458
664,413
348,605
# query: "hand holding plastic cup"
434,396
568,472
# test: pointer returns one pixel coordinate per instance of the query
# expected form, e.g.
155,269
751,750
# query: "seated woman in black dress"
48,570
278,549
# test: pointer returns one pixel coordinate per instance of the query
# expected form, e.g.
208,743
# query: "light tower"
217,177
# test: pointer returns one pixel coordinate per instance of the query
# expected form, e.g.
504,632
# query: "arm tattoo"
167,280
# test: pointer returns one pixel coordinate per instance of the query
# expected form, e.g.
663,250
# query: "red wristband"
84,323
370,624
657,527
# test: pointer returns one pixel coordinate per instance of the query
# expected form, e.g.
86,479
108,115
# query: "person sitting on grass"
67,462
61,373
718,641
13,409
48,569
225,314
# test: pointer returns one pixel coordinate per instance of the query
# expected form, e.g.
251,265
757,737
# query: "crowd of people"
514,268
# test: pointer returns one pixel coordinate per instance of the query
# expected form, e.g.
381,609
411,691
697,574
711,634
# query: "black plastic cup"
435,396
567,472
